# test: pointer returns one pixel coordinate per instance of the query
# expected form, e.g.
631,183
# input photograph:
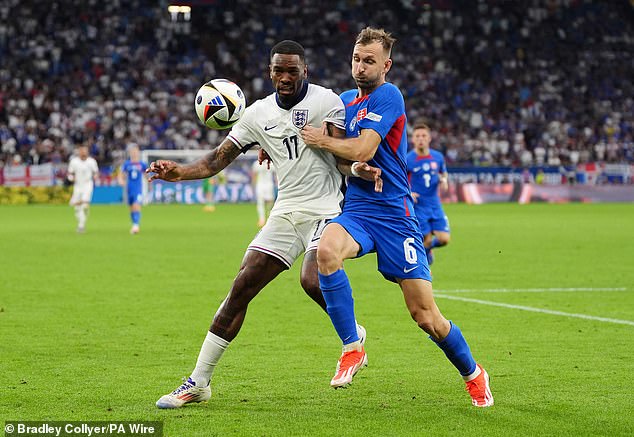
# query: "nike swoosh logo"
406,270
266,128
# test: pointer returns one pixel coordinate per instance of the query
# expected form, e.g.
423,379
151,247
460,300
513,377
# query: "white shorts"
287,236
81,194
265,193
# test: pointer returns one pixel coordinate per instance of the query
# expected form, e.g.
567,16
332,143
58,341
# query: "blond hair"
370,35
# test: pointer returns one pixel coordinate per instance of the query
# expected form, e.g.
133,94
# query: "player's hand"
165,170
369,173
444,185
262,157
312,136
415,196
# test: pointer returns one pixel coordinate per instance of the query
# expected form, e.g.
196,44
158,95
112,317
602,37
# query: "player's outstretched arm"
207,166
361,148
444,181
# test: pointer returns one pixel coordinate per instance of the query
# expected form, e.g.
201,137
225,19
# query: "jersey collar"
300,96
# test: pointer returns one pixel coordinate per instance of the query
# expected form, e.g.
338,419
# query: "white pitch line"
533,290
538,310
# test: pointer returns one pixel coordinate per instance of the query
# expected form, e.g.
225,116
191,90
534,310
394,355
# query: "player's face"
134,154
287,74
370,64
421,139
83,153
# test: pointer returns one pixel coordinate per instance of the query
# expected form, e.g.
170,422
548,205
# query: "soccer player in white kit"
309,194
83,172
263,177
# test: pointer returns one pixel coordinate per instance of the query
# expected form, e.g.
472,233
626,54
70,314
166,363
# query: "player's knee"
425,319
328,259
443,240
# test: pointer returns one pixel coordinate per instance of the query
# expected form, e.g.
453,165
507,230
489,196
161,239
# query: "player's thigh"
399,248
86,196
279,238
80,195
135,200
258,269
265,194
347,236
336,242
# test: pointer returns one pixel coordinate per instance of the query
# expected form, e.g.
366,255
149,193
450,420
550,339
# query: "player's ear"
270,71
387,65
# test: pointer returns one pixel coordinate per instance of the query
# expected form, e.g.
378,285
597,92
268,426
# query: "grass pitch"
99,326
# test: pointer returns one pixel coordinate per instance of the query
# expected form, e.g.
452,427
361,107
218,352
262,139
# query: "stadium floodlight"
174,10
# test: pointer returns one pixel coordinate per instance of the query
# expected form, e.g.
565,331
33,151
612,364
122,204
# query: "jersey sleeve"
385,106
71,167
242,134
334,110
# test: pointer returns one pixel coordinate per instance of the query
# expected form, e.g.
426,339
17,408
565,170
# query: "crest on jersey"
426,167
300,117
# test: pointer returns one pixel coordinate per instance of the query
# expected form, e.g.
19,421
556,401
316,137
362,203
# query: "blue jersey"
423,173
134,175
383,111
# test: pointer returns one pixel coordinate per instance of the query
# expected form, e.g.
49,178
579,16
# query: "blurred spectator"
502,82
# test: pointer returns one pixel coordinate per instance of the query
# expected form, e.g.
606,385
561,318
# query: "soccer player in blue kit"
426,170
381,220
131,175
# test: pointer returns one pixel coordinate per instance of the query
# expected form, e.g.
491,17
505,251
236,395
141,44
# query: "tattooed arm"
209,165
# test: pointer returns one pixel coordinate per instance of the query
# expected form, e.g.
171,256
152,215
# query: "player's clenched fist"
166,170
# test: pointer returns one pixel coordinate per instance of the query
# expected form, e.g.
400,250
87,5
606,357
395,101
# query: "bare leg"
256,271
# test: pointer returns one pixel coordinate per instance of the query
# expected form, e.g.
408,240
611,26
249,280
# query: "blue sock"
457,350
340,305
136,217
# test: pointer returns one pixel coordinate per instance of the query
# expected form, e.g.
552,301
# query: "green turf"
98,326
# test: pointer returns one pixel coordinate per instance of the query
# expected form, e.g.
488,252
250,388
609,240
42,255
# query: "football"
220,103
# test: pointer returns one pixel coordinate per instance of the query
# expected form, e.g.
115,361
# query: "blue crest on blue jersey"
300,117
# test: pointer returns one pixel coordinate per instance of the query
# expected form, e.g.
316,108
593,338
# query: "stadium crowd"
539,82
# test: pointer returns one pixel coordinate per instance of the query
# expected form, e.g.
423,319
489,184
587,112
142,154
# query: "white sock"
473,376
354,346
210,353
81,215
77,212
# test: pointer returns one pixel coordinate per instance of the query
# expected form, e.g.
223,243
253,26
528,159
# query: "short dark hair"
288,47
421,125
370,35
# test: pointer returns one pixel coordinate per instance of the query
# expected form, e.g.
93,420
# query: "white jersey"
83,171
308,178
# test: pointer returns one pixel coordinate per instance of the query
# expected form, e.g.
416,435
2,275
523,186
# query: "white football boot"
187,393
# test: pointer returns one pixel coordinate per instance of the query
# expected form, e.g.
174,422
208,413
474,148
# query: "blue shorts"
432,219
135,198
396,240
